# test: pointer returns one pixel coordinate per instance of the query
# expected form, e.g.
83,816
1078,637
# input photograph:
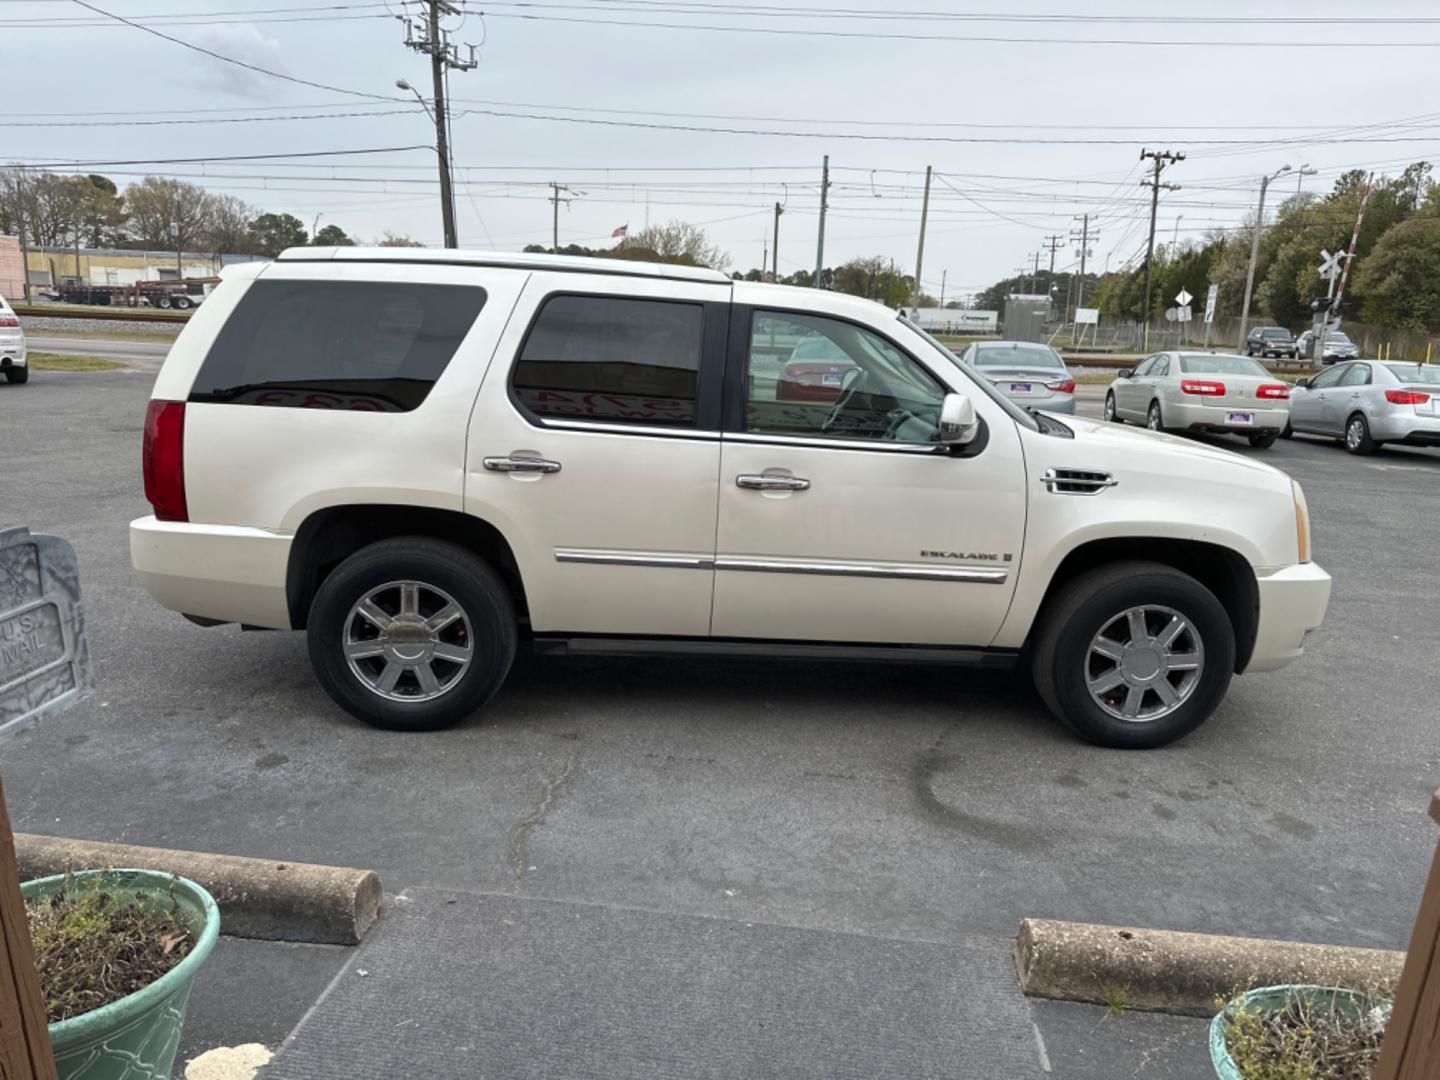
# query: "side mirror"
1301,384
958,425
1124,373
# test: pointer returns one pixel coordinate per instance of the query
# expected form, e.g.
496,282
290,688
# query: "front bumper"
1056,403
224,572
1216,418
1292,603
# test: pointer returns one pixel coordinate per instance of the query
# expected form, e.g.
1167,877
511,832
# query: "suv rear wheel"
412,634
17,374
1134,655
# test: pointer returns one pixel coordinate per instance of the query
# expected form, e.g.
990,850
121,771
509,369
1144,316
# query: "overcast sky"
992,205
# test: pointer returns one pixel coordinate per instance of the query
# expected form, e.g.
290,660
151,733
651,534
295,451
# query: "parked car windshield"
1219,364
1336,337
1429,374
1019,415
1017,356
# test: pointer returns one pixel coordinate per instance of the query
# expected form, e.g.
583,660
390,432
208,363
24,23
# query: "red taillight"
10,322
1405,397
163,458
1062,386
1203,387
1273,390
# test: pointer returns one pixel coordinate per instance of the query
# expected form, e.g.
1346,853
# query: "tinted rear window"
1219,364
1275,333
361,345
612,360
1018,355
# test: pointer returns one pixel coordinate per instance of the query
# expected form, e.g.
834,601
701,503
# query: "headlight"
1302,522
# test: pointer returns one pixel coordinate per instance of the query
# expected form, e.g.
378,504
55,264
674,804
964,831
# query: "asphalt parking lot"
906,804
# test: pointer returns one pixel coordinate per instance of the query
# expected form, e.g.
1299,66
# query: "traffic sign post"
1210,296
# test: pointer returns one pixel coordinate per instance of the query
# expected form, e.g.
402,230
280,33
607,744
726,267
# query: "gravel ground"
47,324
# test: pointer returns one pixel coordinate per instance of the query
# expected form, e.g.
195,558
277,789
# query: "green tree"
875,278
276,232
674,242
1400,280
332,236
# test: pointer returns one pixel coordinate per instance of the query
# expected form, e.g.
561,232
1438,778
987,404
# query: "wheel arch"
1224,571
330,535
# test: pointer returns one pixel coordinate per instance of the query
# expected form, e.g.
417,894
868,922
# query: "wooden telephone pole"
25,1052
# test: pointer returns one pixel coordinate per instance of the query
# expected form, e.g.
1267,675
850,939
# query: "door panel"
621,538
877,534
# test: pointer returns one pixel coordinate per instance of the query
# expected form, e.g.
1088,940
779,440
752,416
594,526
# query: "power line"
227,157
203,120
230,59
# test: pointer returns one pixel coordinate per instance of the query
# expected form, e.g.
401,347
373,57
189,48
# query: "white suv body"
12,345
422,457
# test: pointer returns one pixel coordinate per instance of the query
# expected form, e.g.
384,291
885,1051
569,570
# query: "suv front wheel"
1134,655
412,634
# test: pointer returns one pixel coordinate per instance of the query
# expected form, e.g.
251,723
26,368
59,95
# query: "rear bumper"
1216,418
1405,426
223,572
1292,603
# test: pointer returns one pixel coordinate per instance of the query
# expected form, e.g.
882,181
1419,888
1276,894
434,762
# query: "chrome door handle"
521,464
771,482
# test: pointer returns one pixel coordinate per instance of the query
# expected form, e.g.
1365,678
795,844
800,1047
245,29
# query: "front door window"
812,376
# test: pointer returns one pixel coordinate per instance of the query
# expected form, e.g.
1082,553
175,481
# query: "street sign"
1330,266
44,659
1184,313
1172,314
1182,298
1210,303
1090,315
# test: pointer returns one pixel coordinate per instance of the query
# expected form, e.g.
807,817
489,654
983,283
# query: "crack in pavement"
520,834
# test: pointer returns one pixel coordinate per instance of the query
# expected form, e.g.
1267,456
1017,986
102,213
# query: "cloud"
239,42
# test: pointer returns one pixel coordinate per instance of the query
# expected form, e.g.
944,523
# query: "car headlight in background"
1302,522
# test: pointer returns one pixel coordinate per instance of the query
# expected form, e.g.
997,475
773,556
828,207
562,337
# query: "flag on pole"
621,231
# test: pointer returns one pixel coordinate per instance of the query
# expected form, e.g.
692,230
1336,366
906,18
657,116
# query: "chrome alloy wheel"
1354,434
408,641
1144,663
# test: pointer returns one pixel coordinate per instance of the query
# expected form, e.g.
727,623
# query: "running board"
791,650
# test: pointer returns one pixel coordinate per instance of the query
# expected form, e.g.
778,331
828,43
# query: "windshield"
1017,356
1219,364
1335,337
1426,374
1019,415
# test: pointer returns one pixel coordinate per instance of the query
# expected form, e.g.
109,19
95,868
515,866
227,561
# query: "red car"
815,372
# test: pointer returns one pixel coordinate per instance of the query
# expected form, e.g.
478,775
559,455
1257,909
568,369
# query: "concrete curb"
275,901
1168,971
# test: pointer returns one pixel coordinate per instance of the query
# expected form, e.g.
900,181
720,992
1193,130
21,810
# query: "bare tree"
674,242
167,214
227,225
390,239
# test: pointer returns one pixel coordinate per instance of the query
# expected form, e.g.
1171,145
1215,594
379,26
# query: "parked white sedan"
12,345
1183,391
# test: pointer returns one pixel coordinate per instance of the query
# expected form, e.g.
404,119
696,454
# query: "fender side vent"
1077,481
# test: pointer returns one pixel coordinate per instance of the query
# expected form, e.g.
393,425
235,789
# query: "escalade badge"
967,556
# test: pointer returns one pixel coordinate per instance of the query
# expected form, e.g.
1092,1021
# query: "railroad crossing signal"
1330,267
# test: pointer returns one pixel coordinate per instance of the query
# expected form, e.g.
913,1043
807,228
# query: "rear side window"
612,360
359,345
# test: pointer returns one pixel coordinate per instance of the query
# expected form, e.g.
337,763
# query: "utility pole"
775,253
424,35
1053,243
1175,236
1255,253
1161,159
1035,276
920,251
943,275
824,205
20,222
1084,254
555,201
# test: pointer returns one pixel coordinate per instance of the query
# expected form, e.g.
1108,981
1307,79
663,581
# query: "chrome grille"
1077,481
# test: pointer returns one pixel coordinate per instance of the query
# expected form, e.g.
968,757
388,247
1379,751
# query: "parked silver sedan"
1215,392
1030,374
1366,403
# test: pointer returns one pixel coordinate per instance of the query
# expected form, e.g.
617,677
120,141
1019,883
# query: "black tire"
1357,438
1090,603
1154,419
1263,440
165,302
488,627
1110,414
1288,432
18,374
182,303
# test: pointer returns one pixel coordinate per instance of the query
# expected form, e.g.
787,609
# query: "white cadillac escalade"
426,458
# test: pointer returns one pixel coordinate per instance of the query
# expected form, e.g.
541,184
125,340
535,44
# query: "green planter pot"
136,1037
1270,999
